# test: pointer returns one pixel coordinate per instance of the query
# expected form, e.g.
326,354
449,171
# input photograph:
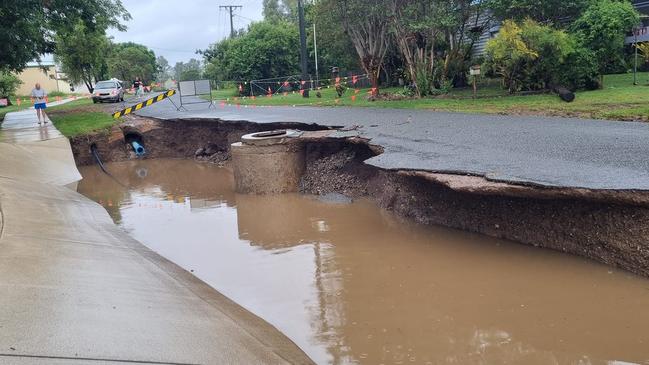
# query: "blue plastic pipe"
138,148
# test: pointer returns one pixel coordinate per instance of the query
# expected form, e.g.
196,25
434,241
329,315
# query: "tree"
190,75
335,49
130,60
28,27
192,70
267,49
435,39
366,22
280,10
552,12
80,62
163,69
602,28
8,85
178,70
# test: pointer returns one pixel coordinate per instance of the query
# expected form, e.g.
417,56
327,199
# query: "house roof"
40,64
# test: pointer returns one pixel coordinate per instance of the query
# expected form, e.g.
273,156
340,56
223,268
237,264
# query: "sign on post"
474,71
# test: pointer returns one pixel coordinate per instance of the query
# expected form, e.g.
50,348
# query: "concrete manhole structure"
269,162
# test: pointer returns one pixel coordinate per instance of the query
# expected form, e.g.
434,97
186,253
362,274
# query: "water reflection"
350,283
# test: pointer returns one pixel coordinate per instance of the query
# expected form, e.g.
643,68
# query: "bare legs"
42,118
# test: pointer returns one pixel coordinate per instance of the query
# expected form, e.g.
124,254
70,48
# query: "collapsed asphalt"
531,150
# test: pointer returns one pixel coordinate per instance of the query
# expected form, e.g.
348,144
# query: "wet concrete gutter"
75,288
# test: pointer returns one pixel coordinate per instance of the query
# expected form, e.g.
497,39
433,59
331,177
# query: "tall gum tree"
426,29
367,24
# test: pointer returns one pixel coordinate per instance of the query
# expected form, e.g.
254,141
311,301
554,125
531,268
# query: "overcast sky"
175,29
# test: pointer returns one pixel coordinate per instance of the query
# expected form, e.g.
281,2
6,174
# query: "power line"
231,8
172,50
244,17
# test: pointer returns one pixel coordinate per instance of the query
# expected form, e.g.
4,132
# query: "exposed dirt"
610,227
205,140
615,234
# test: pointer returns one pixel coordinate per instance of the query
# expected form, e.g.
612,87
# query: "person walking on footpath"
137,85
39,95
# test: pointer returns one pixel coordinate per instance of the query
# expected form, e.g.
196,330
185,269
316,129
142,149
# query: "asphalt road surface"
553,152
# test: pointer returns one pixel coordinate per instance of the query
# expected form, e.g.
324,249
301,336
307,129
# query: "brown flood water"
352,284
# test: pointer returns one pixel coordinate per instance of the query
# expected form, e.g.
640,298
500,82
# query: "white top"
39,95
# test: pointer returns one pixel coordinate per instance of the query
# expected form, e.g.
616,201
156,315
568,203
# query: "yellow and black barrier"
144,104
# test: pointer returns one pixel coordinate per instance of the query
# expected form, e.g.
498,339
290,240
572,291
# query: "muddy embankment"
607,226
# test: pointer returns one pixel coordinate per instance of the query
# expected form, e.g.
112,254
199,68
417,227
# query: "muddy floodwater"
352,284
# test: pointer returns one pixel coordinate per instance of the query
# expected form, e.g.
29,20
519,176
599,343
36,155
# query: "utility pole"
315,46
231,8
303,60
635,57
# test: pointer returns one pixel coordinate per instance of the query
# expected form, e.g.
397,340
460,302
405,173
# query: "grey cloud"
176,29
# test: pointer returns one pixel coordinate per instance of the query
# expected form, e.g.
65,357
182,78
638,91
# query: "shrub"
8,84
531,56
643,57
507,55
54,94
579,70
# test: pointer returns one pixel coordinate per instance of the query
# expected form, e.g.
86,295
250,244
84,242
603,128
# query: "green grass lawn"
12,108
618,100
80,117
25,103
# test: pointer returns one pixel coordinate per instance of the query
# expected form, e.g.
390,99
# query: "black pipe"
93,149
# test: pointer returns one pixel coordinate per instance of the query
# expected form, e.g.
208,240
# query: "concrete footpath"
76,289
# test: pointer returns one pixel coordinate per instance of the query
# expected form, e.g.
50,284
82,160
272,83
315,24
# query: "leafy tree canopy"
164,70
278,10
192,70
602,28
267,49
79,61
335,49
28,27
130,60
542,11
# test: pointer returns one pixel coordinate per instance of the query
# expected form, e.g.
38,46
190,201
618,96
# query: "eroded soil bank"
610,227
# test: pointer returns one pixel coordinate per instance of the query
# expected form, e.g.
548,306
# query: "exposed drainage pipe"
138,148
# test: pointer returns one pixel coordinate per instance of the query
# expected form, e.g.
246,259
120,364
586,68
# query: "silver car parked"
110,90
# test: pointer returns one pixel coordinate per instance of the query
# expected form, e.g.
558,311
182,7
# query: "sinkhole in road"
353,284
